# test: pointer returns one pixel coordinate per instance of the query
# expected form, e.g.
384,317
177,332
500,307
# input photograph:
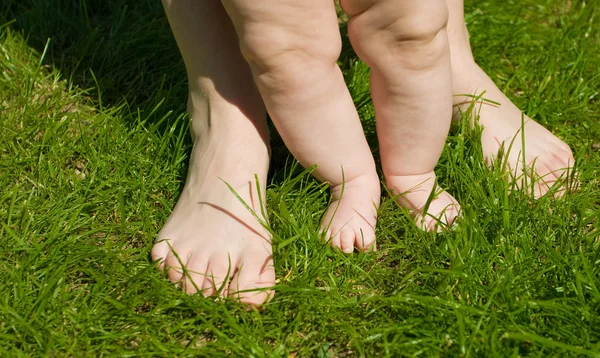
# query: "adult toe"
220,269
251,282
174,264
542,178
195,273
159,253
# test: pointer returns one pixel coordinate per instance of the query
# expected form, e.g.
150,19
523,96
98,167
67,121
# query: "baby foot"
350,219
220,243
544,159
414,192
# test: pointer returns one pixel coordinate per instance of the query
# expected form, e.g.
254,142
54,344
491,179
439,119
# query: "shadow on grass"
125,50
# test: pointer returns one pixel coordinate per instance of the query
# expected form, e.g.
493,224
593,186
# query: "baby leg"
292,48
210,232
550,157
406,45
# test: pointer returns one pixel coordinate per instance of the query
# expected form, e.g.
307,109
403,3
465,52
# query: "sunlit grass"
93,152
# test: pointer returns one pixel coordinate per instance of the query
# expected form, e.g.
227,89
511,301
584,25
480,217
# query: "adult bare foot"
212,243
210,232
544,158
504,126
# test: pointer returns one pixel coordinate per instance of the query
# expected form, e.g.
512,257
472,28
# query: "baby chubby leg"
210,233
292,48
406,45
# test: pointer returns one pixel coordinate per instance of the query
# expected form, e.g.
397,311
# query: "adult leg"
406,45
292,48
210,231
549,156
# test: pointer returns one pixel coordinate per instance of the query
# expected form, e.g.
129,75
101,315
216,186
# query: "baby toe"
365,240
442,213
347,239
334,238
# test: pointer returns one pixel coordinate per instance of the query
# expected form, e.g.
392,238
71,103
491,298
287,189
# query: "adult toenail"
348,250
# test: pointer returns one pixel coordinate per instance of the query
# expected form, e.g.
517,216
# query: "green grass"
93,152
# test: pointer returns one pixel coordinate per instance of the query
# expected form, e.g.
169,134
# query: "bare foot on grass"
222,246
544,160
432,208
350,220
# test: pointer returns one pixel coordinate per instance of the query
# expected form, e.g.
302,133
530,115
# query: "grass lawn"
93,152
